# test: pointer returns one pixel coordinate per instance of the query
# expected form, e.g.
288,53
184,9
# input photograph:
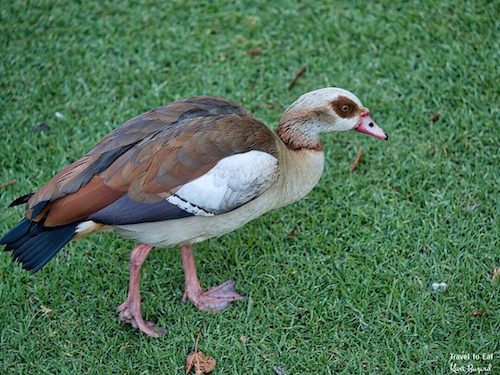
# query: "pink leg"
130,310
216,299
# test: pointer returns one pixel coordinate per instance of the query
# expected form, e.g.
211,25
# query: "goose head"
325,110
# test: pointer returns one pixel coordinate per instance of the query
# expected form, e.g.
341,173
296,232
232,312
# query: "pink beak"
368,126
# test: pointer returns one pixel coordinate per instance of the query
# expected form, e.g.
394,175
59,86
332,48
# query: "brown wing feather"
90,198
151,156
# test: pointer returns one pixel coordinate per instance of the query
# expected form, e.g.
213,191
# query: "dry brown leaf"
199,361
478,313
293,233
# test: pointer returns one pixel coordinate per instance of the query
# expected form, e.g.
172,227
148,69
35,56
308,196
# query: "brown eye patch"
345,107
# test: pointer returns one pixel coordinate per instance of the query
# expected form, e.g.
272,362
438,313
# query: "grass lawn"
351,292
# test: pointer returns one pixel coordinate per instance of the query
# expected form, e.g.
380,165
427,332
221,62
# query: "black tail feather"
34,245
17,233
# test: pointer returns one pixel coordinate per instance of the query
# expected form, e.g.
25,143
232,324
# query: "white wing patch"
234,181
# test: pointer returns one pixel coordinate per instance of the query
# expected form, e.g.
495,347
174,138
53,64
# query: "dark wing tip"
21,200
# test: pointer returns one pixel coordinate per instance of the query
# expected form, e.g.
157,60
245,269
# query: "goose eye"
345,108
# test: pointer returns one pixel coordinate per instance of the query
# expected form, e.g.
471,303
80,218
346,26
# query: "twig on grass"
301,71
8,183
356,161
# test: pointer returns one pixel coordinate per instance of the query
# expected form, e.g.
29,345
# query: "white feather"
234,181
85,227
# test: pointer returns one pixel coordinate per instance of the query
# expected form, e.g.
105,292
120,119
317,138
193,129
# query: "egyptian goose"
182,173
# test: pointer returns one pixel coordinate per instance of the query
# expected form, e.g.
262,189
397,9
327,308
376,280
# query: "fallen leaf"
478,313
256,52
293,233
301,71
356,161
199,361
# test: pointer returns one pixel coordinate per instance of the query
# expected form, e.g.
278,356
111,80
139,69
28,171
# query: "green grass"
351,292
